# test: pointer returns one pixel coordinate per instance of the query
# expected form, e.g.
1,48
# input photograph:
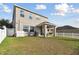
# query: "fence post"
63,34
72,35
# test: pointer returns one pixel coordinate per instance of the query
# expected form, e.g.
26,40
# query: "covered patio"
46,28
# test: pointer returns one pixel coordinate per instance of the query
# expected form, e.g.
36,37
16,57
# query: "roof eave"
29,11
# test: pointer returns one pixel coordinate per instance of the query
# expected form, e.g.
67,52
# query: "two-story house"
28,23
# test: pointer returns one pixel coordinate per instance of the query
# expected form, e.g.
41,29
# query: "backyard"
39,46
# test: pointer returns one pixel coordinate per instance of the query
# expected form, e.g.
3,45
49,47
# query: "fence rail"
2,34
71,35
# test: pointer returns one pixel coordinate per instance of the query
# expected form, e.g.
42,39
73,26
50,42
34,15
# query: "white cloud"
59,14
5,8
41,7
76,11
63,8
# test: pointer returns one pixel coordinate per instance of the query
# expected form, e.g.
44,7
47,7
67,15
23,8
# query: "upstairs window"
22,13
30,16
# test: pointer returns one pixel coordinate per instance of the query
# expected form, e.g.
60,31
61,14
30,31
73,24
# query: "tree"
5,22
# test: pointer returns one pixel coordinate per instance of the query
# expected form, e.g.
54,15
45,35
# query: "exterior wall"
26,21
19,21
20,34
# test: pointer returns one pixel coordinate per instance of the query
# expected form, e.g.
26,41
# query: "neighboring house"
26,22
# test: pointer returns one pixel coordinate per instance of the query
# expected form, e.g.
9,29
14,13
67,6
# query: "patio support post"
54,31
45,30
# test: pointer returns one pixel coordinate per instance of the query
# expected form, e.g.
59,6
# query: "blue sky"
58,13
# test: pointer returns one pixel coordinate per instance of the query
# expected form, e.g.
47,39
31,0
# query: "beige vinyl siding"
26,21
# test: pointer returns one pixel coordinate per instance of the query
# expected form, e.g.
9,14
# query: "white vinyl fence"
71,35
2,34
10,31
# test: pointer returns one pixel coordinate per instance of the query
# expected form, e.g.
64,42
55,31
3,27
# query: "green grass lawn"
39,45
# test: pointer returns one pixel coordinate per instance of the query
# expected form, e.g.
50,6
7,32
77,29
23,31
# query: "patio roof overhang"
46,23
